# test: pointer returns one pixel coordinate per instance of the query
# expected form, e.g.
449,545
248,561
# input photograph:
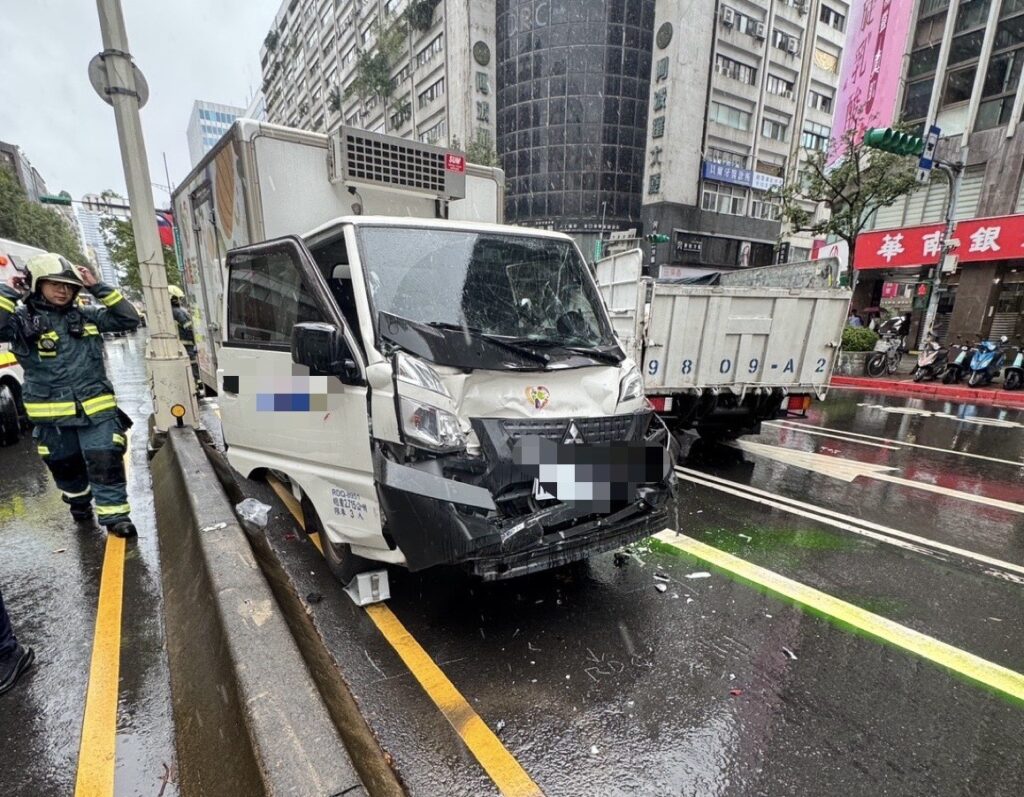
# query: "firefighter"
79,430
185,333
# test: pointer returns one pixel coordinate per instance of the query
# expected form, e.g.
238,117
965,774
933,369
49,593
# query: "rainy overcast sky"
187,49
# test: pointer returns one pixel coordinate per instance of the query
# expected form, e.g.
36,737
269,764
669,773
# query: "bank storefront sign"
727,173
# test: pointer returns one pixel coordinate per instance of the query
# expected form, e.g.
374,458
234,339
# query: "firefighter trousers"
87,463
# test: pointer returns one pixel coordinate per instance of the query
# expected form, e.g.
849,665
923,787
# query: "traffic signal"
657,238
889,140
49,199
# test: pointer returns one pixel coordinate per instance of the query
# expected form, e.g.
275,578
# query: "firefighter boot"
123,528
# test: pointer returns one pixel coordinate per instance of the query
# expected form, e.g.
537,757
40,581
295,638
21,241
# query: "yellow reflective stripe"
6,358
112,509
59,409
91,329
52,335
111,299
47,354
6,304
43,451
119,439
99,404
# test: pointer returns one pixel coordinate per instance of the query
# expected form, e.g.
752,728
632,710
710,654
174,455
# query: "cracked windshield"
508,398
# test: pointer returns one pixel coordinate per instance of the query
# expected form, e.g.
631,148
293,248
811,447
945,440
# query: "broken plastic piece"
255,512
735,692
660,587
660,577
699,574
372,587
789,653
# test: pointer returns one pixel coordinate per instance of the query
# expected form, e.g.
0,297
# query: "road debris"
314,597
789,653
698,574
660,587
253,512
735,692
661,577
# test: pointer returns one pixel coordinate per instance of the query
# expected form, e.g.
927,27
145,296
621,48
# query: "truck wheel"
10,418
343,564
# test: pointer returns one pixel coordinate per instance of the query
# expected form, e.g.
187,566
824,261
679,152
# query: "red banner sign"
996,238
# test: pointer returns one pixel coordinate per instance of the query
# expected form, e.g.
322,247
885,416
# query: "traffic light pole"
954,173
168,365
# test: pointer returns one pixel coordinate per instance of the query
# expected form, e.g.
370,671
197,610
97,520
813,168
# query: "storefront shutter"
970,193
935,204
915,207
891,216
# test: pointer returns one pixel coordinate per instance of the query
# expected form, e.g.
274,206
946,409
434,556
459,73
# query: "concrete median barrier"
249,718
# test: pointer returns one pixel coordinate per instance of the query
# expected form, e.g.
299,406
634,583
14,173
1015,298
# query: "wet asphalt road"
50,575
600,684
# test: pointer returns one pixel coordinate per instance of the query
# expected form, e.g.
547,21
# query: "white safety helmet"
52,267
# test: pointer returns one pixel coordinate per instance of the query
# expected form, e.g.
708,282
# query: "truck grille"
608,429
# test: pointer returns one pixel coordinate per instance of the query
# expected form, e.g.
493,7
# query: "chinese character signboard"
999,238
727,173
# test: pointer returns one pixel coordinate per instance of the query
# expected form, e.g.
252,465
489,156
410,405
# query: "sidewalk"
902,383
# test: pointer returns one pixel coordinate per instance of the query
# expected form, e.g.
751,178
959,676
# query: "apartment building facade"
962,71
421,69
740,92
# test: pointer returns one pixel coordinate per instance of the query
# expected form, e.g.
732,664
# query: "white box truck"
741,348
435,387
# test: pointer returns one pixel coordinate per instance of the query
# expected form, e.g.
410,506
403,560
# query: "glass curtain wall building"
573,79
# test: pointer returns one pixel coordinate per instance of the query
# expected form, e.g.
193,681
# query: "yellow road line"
975,668
502,767
98,748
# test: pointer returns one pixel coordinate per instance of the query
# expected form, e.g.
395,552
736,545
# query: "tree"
853,188
33,224
120,240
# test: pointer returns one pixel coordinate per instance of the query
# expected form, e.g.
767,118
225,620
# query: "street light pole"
168,365
954,173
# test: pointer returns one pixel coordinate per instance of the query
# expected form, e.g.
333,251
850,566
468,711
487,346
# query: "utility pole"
954,173
114,74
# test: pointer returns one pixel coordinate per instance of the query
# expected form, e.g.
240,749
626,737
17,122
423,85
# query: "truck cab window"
266,298
332,260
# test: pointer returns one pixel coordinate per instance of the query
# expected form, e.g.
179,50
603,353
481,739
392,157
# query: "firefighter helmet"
53,267
176,292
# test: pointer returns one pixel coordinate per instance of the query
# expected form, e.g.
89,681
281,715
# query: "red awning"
996,238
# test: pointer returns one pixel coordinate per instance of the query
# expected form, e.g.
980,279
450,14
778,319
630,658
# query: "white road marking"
848,470
980,421
866,528
806,426
834,435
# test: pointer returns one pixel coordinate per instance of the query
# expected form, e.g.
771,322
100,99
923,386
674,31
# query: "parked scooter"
1013,376
988,360
959,366
931,360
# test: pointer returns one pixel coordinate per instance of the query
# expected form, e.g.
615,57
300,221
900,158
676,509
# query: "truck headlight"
430,427
420,374
632,385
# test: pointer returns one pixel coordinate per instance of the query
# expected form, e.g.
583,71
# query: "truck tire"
875,364
343,564
10,417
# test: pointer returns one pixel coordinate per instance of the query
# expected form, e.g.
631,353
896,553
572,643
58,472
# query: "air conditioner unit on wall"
728,16
792,45
759,31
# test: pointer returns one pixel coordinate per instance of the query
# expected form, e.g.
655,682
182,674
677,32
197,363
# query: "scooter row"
979,363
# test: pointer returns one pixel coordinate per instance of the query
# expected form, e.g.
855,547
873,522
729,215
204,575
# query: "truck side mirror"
323,349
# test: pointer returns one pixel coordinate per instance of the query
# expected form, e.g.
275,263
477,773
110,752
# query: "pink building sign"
872,65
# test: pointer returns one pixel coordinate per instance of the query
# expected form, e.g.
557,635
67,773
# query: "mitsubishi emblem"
573,435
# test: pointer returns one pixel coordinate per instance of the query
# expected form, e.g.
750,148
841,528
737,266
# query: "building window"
779,86
432,134
483,111
748,25
719,198
783,41
958,85
661,70
832,18
654,184
402,113
483,83
778,131
429,52
765,206
658,127
826,61
725,156
431,93
729,116
823,102
735,70
815,136
660,99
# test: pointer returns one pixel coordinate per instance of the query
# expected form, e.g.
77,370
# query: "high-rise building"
573,84
960,69
208,122
421,69
90,212
740,91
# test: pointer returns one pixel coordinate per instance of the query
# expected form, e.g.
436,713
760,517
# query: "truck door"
624,294
208,268
314,428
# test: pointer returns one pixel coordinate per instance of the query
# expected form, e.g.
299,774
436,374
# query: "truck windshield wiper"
587,351
519,347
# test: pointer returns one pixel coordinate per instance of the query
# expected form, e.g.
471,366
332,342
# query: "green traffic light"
889,140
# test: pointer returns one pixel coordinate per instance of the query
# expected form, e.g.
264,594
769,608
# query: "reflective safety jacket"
60,350
181,318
